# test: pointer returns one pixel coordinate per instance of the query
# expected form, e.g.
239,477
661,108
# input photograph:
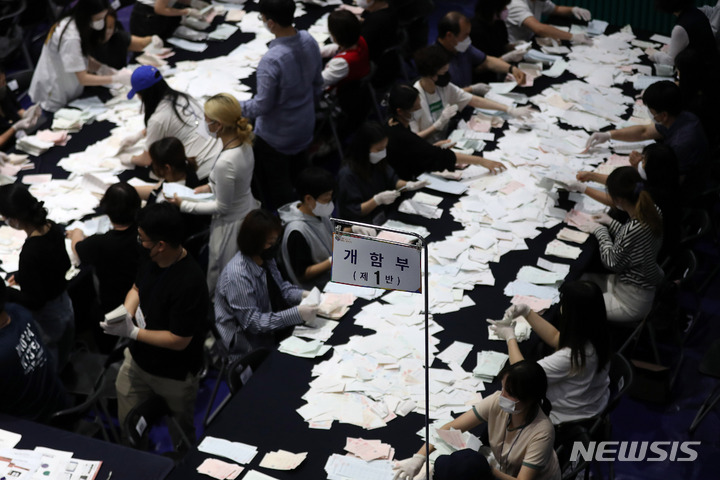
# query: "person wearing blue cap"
63,68
169,113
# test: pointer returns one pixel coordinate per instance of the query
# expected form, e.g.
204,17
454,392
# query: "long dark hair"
153,95
583,319
82,14
526,380
367,135
170,151
625,183
486,10
402,96
18,203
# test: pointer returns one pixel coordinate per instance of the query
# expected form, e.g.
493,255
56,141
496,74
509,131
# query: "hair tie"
639,187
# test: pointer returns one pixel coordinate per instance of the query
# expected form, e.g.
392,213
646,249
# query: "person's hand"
589,227
11,281
4,158
24,123
602,218
387,197
582,14
306,293
175,200
493,166
124,328
520,112
370,232
584,176
123,76
514,311
193,12
308,313
480,89
513,56
576,187
75,233
581,39
156,44
635,158
408,468
412,186
502,330
596,139
518,75
33,112
447,113
130,140
650,52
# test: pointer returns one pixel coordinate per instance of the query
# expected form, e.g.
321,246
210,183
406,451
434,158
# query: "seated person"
13,118
520,434
678,129
440,99
254,306
28,370
162,17
692,30
409,154
464,464
629,249
465,60
114,256
524,21
577,371
366,183
350,59
114,48
306,249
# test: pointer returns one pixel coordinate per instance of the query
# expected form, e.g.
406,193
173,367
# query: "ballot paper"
183,44
218,469
427,199
560,249
282,460
578,219
489,364
538,276
537,304
9,439
572,235
236,451
369,450
303,348
222,32
442,185
255,475
415,208
171,189
560,268
341,467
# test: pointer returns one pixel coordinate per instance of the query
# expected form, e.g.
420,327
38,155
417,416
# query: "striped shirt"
243,314
631,250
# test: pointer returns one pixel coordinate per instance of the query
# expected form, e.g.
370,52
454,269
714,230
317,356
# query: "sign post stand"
344,271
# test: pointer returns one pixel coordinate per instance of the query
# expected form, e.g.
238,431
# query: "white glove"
412,186
4,158
504,331
130,140
596,139
33,111
447,113
582,14
581,39
199,4
520,112
602,218
480,89
370,232
576,187
387,197
123,76
156,44
514,56
589,227
308,312
408,468
195,13
25,123
124,328
514,311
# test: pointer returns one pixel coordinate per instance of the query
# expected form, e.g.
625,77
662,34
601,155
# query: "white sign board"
369,262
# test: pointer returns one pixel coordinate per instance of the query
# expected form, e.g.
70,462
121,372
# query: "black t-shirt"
115,256
490,38
8,116
379,29
353,190
411,155
175,299
42,267
114,52
30,386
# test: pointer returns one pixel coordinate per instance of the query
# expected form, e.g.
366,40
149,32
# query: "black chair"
12,41
146,414
222,354
710,366
695,224
197,245
570,469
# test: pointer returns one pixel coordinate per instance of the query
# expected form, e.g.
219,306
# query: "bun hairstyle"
625,183
18,203
225,109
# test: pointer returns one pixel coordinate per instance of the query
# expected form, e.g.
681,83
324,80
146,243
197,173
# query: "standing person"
289,82
254,306
117,42
167,309
692,30
379,28
169,113
161,17
630,249
524,21
41,270
62,70
489,32
306,249
229,181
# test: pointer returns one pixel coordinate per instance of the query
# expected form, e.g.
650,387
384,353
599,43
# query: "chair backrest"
141,417
242,369
621,378
696,224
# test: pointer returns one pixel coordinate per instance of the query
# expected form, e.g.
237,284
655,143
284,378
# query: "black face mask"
270,253
443,80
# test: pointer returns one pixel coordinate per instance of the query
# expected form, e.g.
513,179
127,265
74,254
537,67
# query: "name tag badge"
140,318
13,85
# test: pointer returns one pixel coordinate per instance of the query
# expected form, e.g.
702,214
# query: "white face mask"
98,24
363,3
206,128
641,171
462,46
375,157
507,405
416,115
323,209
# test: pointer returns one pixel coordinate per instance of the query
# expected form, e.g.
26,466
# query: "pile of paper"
33,145
236,451
489,364
72,119
282,460
220,470
447,441
303,348
369,449
341,467
45,463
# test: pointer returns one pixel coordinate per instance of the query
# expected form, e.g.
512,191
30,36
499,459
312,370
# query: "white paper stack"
489,364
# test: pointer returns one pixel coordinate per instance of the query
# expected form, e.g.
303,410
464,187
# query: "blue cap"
143,77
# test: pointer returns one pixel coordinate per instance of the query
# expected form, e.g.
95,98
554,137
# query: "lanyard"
502,447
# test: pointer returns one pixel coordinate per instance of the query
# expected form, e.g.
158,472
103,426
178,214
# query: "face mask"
504,15
641,171
507,405
98,24
443,80
375,157
462,46
208,132
3,92
271,252
323,209
363,3
416,115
